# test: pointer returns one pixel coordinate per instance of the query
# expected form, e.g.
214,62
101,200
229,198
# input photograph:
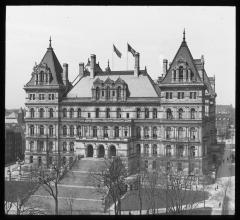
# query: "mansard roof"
141,86
50,61
183,55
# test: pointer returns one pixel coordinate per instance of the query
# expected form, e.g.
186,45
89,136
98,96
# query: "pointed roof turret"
108,68
184,35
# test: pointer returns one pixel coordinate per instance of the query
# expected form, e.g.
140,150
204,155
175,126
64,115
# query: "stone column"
150,132
177,75
189,74
184,75
142,132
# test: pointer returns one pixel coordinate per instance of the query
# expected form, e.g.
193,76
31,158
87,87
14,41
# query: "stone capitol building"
170,122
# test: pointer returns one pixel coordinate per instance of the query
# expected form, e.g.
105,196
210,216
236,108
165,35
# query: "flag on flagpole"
130,49
117,51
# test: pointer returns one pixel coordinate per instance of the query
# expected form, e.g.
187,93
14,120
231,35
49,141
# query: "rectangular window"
146,164
102,93
182,95
195,95
127,115
170,95
166,95
89,115
178,95
113,93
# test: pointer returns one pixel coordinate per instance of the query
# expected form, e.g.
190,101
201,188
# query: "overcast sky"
155,32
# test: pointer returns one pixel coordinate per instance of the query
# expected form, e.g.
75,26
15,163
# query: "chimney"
165,62
92,65
81,70
136,67
65,73
202,69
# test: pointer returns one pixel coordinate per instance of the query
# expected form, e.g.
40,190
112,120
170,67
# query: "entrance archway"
101,151
89,151
112,151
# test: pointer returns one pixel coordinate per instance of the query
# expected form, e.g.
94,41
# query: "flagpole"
127,58
112,59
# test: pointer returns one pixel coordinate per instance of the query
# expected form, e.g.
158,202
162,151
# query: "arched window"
180,113
41,130
64,130
41,112
118,113
64,113
97,112
79,132
169,113
168,151
154,132
71,113
168,133
71,147
94,131
40,146
39,161
146,150
174,75
50,130
116,131
118,92
108,113
79,113
192,151
31,129
180,74
108,93
49,160
180,133
97,93
126,131
154,113
138,132
31,159
32,113
154,165
64,147
146,132
192,133
41,74
191,168
192,113
138,112
180,151
50,113
50,146
179,167
154,150
146,113
191,76
71,130
31,146
105,131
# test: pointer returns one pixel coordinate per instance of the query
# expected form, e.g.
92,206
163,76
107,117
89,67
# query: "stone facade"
170,122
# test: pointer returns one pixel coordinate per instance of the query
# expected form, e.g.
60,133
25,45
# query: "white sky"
155,32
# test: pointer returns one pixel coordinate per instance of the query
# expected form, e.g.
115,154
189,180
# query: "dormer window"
108,93
118,92
41,76
97,93
180,74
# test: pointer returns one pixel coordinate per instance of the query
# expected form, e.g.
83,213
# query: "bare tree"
110,181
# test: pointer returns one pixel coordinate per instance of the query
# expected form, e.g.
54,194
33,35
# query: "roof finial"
50,43
184,35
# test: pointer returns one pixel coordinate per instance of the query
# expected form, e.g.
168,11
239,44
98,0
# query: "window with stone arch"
168,150
154,132
97,93
146,113
64,130
192,113
64,147
154,113
71,147
41,113
138,132
105,131
31,129
180,74
191,76
192,151
138,148
138,112
180,151
79,131
154,150
97,112
180,113
108,113
108,93
119,92
50,130
169,113
41,130
32,112
180,133
41,76
193,133
168,132
71,130
146,150
50,113
146,132
79,112
71,113
94,131
64,113
31,146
